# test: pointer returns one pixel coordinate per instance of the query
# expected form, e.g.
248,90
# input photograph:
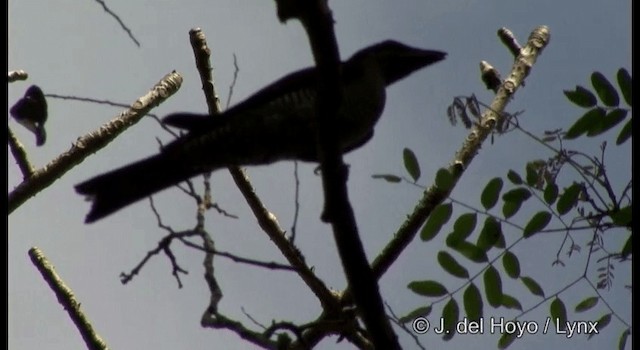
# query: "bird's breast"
361,109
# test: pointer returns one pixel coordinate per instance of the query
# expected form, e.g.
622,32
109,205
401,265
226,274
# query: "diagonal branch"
433,196
267,221
86,145
20,155
66,298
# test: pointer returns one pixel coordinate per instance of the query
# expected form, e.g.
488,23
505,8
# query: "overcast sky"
75,48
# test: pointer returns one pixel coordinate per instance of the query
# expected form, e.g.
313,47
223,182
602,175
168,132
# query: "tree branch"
317,20
67,300
86,145
433,196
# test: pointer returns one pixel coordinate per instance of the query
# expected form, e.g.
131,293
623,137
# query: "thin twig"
117,18
236,70
296,202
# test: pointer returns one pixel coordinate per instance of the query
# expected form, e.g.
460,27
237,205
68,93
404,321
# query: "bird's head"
396,60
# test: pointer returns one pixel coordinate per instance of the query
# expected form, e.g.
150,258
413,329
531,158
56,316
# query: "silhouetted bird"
31,112
277,123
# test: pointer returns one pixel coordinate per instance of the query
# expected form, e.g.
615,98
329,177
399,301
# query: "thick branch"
66,298
16,75
318,22
433,196
20,155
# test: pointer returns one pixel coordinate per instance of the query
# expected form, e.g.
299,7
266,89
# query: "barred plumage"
277,123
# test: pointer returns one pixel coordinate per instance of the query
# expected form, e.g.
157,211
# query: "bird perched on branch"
277,123
31,112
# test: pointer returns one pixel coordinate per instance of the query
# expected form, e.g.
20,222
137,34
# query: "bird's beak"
409,60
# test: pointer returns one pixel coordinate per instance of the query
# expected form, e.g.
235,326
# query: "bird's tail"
116,189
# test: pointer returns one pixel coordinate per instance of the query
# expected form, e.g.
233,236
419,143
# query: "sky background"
74,48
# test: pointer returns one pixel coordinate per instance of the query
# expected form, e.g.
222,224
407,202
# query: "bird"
31,112
276,123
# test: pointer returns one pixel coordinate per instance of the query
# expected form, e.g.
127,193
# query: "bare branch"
117,18
316,18
394,318
509,40
433,196
267,221
236,70
233,257
163,246
490,76
20,155
94,141
16,75
202,54
296,202
66,298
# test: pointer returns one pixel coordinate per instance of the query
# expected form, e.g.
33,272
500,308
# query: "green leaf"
585,123
558,314
511,264
450,314
622,343
532,172
510,302
387,177
533,286
622,217
464,225
613,118
510,209
500,243
602,322
491,193
513,200
605,90
439,216
428,288
568,199
537,223
468,250
444,179
586,304
473,302
493,286
506,339
514,177
450,265
581,97
625,133
423,311
490,233
624,82
411,164
550,193
519,194
626,248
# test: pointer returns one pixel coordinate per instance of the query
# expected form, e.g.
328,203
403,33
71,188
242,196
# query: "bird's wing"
286,86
